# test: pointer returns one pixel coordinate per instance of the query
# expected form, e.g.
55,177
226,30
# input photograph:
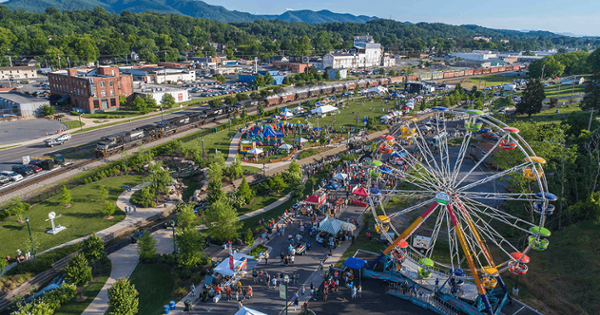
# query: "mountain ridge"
193,8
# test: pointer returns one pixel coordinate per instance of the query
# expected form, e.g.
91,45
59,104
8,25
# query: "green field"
81,219
214,141
548,116
91,291
487,80
72,124
310,152
565,90
261,201
155,284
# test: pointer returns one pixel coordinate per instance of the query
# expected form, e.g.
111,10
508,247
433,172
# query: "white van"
12,175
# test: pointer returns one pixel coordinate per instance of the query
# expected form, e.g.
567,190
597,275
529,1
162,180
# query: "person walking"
228,291
292,259
302,291
250,292
354,291
193,287
359,291
296,301
237,294
266,258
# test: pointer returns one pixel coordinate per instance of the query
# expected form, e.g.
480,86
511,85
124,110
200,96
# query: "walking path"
123,262
233,148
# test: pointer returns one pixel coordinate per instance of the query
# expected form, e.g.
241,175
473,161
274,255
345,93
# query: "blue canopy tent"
385,169
356,263
399,155
332,185
375,191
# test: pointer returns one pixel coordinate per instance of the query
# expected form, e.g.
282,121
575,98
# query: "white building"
21,104
476,55
336,61
157,92
160,75
365,54
388,61
18,73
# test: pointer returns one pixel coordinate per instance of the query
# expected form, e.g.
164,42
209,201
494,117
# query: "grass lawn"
565,89
347,115
81,154
81,219
310,152
214,141
251,170
154,283
91,291
564,278
362,242
261,201
72,124
548,116
487,80
114,114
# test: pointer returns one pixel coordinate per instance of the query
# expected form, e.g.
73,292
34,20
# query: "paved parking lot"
27,129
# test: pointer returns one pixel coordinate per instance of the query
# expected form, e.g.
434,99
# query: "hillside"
193,8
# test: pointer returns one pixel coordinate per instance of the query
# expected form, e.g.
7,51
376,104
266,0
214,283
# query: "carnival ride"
460,213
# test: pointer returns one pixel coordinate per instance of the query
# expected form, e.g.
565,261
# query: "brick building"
91,89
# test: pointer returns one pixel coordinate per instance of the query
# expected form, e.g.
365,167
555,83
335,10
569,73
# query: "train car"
314,92
149,131
437,75
468,72
487,71
477,71
302,95
501,69
459,74
494,70
272,100
288,98
426,76
412,78
448,75
328,89
338,88
362,84
396,80
112,144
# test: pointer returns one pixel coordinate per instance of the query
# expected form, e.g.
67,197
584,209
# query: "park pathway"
233,148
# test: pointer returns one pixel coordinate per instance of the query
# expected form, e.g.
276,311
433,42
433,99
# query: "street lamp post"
174,244
155,183
30,237
286,279
264,170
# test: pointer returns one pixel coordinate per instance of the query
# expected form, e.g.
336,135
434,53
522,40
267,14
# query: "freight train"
368,83
112,144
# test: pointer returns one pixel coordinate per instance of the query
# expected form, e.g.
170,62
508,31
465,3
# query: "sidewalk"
123,262
233,148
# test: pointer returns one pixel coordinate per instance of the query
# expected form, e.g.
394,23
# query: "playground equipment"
463,209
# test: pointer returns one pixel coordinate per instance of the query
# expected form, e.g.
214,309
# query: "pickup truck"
53,142
22,169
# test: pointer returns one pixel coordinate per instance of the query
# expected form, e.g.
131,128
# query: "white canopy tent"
286,147
299,110
378,90
331,225
287,115
255,151
324,109
340,176
248,311
302,140
238,259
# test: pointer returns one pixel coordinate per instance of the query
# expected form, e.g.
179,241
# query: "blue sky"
580,17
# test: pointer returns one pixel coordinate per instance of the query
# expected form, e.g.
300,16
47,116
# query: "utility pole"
591,116
59,66
69,62
10,61
543,67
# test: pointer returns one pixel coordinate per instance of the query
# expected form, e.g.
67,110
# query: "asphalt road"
13,156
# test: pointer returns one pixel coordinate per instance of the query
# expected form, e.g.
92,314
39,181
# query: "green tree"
244,114
146,246
304,47
532,98
268,79
189,244
222,220
78,272
392,73
3,263
236,167
139,104
249,238
65,196
158,177
186,218
150,101
261,109
17,208
423,105
294,170
326,76
122,298
259,81
103,193
221,78
144,197
123,100
230,100
167,100
278,184
215,103
108,209
242,97
93,248
245,192
47,110
478,104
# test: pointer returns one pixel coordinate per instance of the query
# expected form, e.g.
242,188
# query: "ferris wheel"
457,202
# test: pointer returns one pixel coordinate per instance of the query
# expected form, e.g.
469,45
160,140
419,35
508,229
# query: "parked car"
53,142
12,175
22,169
35,168
4,179
65,137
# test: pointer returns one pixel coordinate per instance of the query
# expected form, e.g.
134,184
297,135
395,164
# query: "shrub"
50,302
180,292
143,198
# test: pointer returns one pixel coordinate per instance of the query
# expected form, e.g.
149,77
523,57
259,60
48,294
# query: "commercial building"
21,104
249,78
348,61
157,93
297,67
18,73
160,75
365,54
91,90
475,56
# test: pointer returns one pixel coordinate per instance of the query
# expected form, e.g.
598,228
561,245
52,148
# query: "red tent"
361,192
316,199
